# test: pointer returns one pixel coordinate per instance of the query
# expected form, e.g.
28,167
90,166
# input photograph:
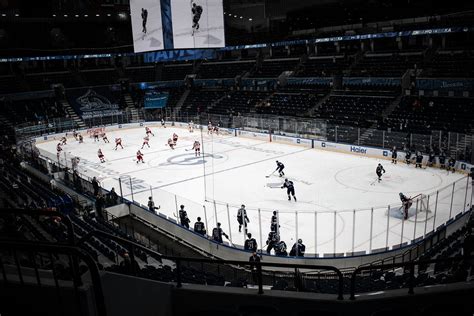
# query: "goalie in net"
413,206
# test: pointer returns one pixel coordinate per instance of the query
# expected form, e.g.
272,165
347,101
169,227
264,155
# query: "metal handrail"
179,260
410,264
64,218
70,250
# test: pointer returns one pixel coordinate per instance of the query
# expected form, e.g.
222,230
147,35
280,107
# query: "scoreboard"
177,24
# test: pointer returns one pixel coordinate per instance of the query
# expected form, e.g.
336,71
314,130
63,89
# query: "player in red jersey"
175,138
140,157
197,148
171,143
104,137
118,142
148,131
209,128
146,139
100,155
96,136
216,129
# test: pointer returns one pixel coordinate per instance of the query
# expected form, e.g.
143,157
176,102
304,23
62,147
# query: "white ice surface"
329,186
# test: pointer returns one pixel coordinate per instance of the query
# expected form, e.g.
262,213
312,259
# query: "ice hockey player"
171,143
118,142
406,204
442,160
394,155
151,205
280,167
290,189
242,218
81,139
209,128
199,227
272,240
175,138
140,157
431,159
104,137
96,136
408,157
280,249
379,171
63,140
216,129
163,124
274,222
418,160
100,155
58,149
191,126
197,148
146,139
183,217
217,233
148,131
75,134
298,249
250,244
451,164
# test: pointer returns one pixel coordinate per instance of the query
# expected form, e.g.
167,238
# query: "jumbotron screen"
177,24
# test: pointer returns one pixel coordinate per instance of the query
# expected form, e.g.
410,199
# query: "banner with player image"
147,26
197,23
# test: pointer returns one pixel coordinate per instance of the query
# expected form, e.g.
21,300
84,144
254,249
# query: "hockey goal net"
419,209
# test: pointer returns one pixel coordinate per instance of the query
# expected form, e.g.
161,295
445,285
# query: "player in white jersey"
209,128
146,139
175,138
63,140
104,137
191,126
81,139
163,124
75,134
171,143
148,131
197,148
118,142
96,135
140,157
100,155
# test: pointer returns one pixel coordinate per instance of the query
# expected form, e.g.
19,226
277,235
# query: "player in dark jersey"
217,233
442,160
431,159
272,240
199,227
451,164
250,244
144,19
394,155
280,167
274,222
379,171
242,218
290,189
418,160
196,11
406,204
408,156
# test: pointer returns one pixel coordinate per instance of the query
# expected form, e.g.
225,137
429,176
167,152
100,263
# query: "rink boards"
372,152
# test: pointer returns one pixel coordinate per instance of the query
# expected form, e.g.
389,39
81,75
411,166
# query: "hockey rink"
340,207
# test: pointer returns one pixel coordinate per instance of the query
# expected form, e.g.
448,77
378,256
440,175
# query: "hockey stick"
373,183
270,174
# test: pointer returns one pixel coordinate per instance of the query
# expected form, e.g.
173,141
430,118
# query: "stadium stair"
181,100
317,106
128,101
72,114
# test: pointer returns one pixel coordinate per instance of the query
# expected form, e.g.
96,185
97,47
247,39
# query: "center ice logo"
188,160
